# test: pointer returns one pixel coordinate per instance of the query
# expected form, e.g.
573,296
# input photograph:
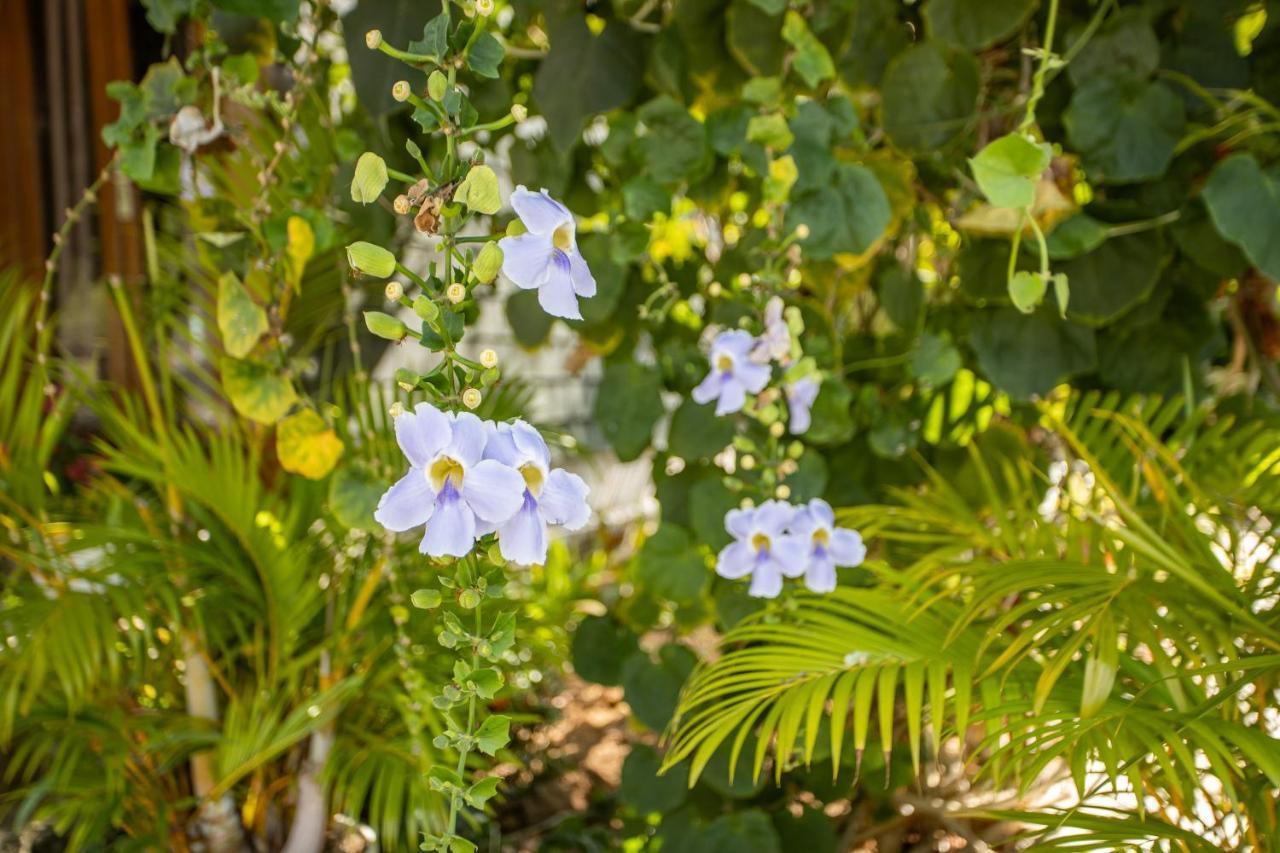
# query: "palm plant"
1110,620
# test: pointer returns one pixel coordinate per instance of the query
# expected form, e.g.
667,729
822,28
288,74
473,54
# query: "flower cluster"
740,366
777,540
469,478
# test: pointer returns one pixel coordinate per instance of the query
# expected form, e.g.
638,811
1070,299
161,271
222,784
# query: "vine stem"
1038,82
74,215
465,749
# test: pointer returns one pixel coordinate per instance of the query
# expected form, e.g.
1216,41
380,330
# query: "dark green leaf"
1244,202
976,24
1025,356
1124,127
930,95
600,648
644,790
628,404
848,215
1114,277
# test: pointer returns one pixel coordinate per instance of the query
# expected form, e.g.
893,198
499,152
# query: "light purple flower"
775,343
800,397
450,486
548,496
762,548
827,546
733,373
546,258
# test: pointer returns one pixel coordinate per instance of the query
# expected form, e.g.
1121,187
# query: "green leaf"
753,36
277,11
1115,277
138,155
848,215
493,734
488,263
1025,356
612,61
812,61
1244,203
644,790
479,191
934,361
1007,170
529,323
385,326
832,423
353,496
241,321
485,56
709,500
1125,44
370,178
628,405
670,566
257,391
1076,236
435,38
1125,128
1027,290
601,646
307,445
976,24
652,689
483,791
770,131
487,682
674,147
929,96
425,599
696,432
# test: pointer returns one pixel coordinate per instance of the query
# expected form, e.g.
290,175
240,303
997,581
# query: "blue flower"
800,397
450,487
762,548
548,496
546,258
733,373
775,343
827,546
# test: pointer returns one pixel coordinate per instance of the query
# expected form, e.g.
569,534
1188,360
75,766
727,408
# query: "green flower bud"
371,260
487,264
437,85
469,599
426,309
385,326
373,39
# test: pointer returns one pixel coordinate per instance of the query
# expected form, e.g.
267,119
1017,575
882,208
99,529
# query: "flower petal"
736,560
772,517
539,212
739,523
732,396
564,500
470,436
821,575
493,491
523,538
452,530
501,447
822,513
406,504
735,343
584,283
803,524
753,376
422,433
709,388
766,582
847,548
531,445
556,295
790,554
527,259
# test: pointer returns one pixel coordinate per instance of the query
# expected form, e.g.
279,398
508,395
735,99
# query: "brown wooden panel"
23,240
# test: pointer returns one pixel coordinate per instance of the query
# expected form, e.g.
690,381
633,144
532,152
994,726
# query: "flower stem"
455,801
1038,82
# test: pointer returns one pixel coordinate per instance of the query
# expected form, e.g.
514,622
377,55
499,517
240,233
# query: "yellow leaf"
302,245
307,446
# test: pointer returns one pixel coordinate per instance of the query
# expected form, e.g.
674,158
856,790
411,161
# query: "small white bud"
396,410
777,429
401,90
802,231
402,205
471,398
489,358
394,291
782,492
747,462
484,7
519,112
714,289
373,39
456,293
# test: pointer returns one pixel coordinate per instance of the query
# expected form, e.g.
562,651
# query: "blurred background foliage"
1066,633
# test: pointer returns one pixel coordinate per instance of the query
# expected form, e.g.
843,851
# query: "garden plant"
945,335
